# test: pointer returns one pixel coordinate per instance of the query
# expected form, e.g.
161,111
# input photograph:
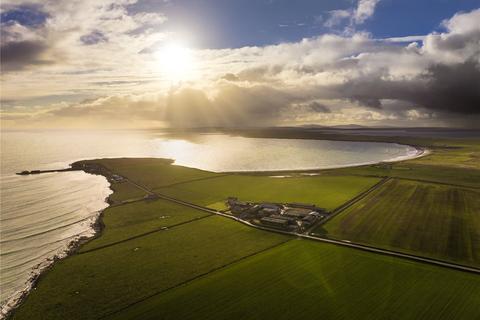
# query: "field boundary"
349,203
193,180
146,234
205,274
437,182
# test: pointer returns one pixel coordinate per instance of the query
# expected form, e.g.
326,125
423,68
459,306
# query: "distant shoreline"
419,153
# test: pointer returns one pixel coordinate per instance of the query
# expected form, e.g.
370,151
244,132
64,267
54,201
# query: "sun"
176,62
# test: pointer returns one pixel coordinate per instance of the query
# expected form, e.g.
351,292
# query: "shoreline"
42,268
419,153
98,225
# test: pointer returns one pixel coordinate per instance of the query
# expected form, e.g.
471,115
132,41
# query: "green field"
327,192
134,219
418,171
124,192
153,173
89,285
307,280
426,219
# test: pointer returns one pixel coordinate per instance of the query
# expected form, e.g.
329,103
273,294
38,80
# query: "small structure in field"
117,178
150,196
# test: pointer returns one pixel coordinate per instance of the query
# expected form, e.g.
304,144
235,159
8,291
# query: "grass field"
307,280
426,219
418,171
87,286
125,191
328,192
153,173
135,219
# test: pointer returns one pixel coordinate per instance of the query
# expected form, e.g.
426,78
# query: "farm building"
297,213
275,222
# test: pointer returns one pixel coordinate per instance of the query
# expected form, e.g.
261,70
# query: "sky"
196,63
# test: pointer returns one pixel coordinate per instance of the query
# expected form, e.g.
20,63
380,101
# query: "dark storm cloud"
451,88
454,88
318,107
367,101
18,55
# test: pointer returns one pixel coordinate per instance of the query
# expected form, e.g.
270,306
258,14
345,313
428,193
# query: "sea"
43,215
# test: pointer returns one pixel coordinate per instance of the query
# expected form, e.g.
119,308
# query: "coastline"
97,226
420,152
8,309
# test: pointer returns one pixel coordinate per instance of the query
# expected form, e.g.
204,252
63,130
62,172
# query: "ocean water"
42,214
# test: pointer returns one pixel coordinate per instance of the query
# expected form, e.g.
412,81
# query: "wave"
42,217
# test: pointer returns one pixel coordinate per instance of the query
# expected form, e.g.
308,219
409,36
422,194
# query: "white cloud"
353,16
459,43
365,10
405,39
337,17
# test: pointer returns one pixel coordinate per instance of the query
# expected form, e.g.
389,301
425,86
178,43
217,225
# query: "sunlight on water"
220,153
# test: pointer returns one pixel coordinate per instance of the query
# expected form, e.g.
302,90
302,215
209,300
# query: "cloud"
93,37
18,55
454,88
337,17
68,31
451,88
405,39
364,10
315,107
353,16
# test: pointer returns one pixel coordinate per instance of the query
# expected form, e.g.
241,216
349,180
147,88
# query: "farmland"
153,256
153,173
426,219
328,192
92,284
303,279
135,219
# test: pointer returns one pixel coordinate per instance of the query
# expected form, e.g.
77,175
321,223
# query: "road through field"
315,238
